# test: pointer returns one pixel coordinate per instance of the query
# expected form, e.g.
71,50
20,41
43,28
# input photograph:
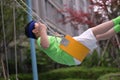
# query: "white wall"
47,10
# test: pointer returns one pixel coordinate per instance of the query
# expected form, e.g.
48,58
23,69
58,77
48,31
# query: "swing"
74,48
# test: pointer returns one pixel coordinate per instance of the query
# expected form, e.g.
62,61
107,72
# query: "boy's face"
36,30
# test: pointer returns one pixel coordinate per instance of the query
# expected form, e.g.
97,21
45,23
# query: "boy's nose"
37,24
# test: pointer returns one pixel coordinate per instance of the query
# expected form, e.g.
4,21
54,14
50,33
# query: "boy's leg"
109,33
117,28
104,27
106,35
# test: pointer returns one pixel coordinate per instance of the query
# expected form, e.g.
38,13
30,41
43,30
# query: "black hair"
28,31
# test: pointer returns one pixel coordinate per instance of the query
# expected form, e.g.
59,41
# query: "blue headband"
31,27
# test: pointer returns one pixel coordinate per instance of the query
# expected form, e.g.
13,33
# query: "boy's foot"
116,20
117,28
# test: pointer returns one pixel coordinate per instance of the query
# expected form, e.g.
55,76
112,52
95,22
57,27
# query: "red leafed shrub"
76,17
98,12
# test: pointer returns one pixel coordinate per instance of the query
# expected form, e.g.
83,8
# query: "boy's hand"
42,26
39,28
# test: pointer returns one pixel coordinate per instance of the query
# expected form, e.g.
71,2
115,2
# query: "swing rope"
52,32
43,21
36,15
15,47
4,40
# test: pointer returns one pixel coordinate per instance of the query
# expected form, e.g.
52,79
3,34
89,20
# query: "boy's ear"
33,31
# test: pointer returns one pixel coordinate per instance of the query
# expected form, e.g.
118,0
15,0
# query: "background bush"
110,76
73,73
77,72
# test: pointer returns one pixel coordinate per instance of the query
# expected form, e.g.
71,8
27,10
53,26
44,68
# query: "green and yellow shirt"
55,53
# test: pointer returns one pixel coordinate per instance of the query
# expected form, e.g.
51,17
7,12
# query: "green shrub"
75,79
110,76
77,72
91,60
73,73
20,77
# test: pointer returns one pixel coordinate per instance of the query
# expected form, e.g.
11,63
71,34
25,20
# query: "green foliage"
91,60
77,72
110,76
110,58
25,77
75,79
44,63
21,77
11,64
73,73
9,22
8,17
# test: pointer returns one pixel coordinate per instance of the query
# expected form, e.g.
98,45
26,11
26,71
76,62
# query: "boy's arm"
42,32
44,39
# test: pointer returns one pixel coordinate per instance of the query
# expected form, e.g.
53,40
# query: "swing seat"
74,48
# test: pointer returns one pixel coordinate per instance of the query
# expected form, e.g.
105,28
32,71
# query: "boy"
50,46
